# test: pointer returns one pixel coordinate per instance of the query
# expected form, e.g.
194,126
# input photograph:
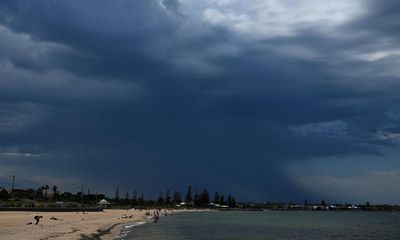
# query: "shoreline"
66,225
118,229
106,225
114,232
108,233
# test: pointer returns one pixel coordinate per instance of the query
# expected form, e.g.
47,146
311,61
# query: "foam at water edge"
135,224
126,229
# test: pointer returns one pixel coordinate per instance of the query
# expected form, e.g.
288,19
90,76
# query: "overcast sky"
266,99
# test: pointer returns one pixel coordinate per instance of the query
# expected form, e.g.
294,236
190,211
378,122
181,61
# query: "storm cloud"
241,98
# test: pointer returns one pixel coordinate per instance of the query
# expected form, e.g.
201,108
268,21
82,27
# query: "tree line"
198,199
167,198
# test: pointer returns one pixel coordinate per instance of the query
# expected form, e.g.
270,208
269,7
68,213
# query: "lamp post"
13,183
95,189
12,187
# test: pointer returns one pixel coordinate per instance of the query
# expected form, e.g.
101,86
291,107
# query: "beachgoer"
156,216
37,218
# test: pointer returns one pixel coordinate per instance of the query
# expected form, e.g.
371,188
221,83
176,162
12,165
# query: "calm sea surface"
270,225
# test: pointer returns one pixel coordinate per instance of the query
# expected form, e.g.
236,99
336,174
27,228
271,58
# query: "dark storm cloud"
383,18
128,85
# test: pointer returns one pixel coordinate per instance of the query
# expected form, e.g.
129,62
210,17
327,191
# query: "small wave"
127,229
134,225
121,236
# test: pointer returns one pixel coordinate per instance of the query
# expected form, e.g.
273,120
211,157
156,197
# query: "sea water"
274,225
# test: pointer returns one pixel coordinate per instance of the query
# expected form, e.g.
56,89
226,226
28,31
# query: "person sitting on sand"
126,216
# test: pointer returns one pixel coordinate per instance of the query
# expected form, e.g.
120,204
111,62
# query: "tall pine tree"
167,198
189,198
134,198
177,197
141,200
160,199
196,199
217,198
126,198
204,198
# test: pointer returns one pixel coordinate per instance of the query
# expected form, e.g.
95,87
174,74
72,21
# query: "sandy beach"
71,225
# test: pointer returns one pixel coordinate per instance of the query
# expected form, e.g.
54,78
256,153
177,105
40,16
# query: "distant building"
104,203
218,205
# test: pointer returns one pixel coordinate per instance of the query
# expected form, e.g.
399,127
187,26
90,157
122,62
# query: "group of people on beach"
157,213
